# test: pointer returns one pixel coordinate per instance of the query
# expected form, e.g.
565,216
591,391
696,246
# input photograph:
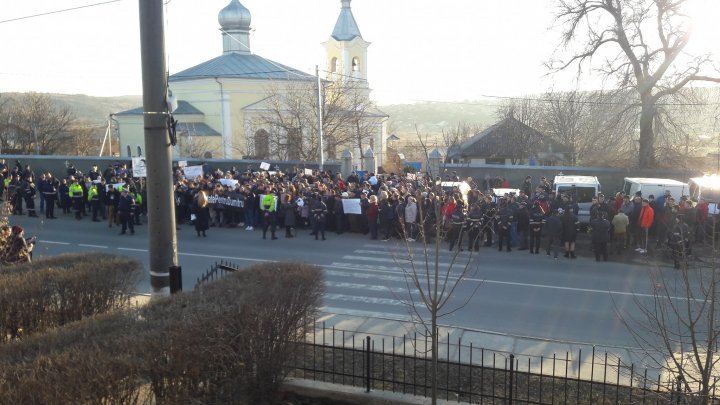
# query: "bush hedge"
226,342
66,288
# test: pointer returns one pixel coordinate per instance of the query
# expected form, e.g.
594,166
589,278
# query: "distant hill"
96,109
93,109
432,118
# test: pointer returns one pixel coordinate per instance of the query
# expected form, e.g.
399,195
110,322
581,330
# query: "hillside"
432,118
92,109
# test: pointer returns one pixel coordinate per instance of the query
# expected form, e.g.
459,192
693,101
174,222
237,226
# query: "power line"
59,11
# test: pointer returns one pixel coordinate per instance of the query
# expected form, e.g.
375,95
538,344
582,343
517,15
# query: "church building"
240,105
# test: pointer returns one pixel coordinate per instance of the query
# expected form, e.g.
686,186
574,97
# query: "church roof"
196,129
346,27
183,108
241,66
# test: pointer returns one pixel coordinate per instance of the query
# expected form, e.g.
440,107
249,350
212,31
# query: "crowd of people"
408,207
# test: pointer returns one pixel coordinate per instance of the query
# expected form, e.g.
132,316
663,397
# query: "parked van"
707,187
501,192
582,189
655,187
457,186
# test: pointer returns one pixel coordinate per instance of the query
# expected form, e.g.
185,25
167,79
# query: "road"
518,294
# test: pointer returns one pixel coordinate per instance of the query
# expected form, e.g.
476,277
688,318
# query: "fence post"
512,369
367,365
175,279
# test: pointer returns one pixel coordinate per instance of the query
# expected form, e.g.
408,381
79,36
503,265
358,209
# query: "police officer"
29,192
537,219
267,207
125,207
488,222
75,192
319,213
94,200
137,197
457,223
474,225
679,240
504,220
600,235
48,189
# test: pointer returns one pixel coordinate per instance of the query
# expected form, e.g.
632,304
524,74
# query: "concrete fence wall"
58,164
611,179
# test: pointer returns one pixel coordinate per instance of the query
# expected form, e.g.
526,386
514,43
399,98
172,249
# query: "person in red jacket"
645,221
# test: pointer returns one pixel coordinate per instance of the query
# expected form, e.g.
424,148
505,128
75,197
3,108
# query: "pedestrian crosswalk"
373,279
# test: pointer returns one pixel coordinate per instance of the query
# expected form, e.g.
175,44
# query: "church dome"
234,17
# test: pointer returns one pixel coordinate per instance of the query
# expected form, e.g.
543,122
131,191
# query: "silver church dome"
234,17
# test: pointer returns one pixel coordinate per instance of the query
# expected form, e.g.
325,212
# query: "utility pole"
162,238
319,116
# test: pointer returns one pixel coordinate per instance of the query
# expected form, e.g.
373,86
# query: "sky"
421,50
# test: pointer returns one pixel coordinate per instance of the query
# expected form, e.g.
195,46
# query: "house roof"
500,140
241,66
183,108
196,129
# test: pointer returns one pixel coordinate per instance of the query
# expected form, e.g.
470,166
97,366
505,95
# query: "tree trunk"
433,372
646,156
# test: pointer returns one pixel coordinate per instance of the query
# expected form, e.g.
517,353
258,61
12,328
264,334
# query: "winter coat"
411,213
553,227
646,217
600,230
569,226
288,210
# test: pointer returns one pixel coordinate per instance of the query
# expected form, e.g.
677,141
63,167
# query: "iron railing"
216,272
472,374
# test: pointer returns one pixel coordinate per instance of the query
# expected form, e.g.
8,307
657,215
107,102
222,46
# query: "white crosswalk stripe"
370,279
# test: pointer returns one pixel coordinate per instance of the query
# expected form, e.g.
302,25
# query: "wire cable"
59,11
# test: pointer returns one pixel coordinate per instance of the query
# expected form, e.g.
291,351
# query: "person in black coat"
201,210
319,213
600,235
569,222
126,205
288,209
553,230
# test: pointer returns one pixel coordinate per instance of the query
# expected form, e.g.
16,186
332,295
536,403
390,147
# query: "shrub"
49,293
226,342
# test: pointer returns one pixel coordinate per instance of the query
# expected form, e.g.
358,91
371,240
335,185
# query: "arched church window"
333,65
356,64
262,144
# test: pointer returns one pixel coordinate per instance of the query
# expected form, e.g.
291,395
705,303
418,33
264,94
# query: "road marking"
247,259
93,246
365,300
53,242
133,250
370,314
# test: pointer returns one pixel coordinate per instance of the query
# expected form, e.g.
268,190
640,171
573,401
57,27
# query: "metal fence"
216,272
467,373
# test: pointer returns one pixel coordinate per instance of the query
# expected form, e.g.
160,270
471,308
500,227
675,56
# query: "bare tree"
84,138
523,140
678,327
649,38
430,283
35,125
289,118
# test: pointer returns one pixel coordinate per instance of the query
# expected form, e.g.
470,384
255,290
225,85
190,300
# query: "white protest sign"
182,163
229,182
351,206
138,167
116,186
265,166
191,172
308,172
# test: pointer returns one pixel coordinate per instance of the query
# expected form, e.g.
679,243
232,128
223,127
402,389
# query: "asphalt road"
515,293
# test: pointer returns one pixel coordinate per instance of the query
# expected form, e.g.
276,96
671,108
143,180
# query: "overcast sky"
439,50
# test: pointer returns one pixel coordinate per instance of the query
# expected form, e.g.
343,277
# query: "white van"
582,188
707,187
655,187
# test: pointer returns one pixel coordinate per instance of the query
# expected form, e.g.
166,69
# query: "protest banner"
351,206
228,182
308,172
229,202
191,172
138,167
182,163
265,166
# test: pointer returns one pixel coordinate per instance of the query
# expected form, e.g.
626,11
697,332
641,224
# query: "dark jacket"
600,230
